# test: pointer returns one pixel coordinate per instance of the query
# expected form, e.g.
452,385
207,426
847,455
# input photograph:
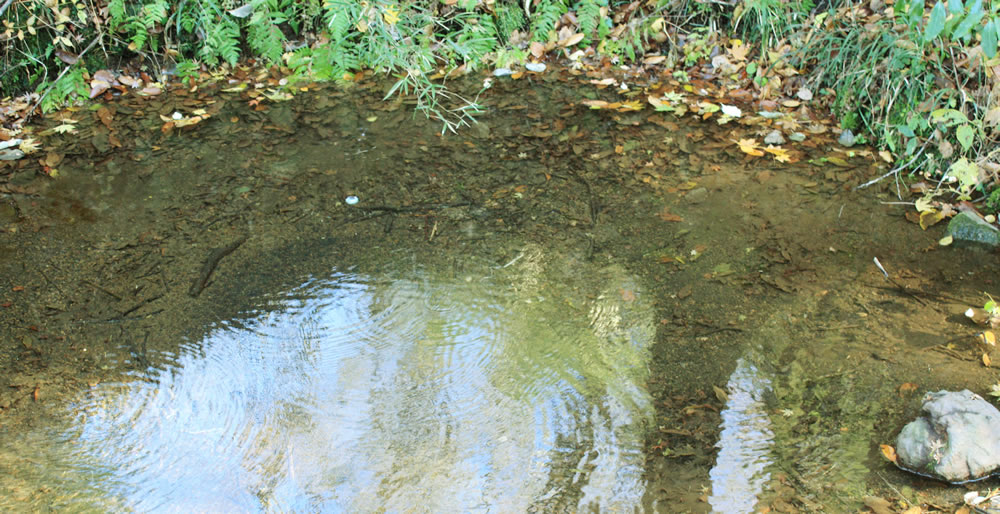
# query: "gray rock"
969,228
957,439
697,195
846,138
798,137
774,137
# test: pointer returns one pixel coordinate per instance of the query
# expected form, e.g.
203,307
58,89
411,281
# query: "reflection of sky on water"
739,475
360,396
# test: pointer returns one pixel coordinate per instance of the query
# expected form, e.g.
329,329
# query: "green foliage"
68,89
509,17
544,18
588,14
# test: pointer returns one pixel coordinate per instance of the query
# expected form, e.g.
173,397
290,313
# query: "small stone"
536,67
846,138
502,72
697,195
798,137
774,138
351,200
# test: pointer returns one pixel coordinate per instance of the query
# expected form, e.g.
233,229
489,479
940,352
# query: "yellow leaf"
838,161
988,337
986,360
391,15
595,104
888,452
780,154
930,218
749,146
634,105
362,26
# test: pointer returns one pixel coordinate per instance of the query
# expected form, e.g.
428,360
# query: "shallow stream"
556,310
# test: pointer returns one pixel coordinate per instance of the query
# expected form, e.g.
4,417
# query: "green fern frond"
546,14
588,15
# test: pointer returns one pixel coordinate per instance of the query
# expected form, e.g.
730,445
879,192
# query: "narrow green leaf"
990,39
956,7
965,135
970,21
936,23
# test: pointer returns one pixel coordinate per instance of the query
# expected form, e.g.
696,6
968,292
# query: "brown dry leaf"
907,388
992,117
913,510
888,452
666,215
886,156
879,505
104,114
749,146
650,60
739,51
98,87
986,360
52,159
572,40
537,49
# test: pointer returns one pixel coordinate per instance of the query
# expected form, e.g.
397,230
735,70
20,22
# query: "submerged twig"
211,263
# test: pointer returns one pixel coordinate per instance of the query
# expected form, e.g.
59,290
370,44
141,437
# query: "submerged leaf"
749,146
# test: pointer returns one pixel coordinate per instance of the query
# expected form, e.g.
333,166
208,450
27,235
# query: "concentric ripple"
504,390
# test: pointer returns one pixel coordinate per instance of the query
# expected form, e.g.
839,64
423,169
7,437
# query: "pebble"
846,138
351,200
774,138
798,137
536,67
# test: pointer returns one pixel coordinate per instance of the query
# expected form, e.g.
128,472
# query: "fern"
116,13
341,15
546,16
67,89
264,35
588,14
222,39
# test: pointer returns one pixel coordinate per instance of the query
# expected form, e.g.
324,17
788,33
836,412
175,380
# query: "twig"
895,170
901,495
5,6
63,72
897,284
211,263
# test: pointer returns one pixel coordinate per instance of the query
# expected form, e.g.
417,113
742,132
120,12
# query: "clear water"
490,390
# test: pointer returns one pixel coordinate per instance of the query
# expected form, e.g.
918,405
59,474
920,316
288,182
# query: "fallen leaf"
595,104
907,387
17,288
572,40
666,215
988,337
749,146
720,394
930,218
888,452
780,154
986,360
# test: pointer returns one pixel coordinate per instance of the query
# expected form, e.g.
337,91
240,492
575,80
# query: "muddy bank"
119,261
